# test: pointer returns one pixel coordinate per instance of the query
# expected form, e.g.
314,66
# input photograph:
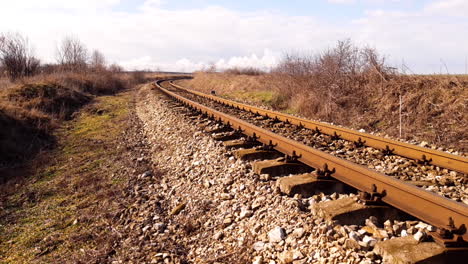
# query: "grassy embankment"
62,169
56,163
64,204
32,108
434,107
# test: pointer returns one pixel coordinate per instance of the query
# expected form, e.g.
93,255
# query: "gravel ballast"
205,206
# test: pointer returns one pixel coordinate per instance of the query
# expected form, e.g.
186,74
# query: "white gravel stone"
258,260
419,236
276,235
159,227
369,241
259,245
298,233
219,235
354,236
403,233
245,213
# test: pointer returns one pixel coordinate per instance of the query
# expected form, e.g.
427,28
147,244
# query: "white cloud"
265,62
341,1
448,8
199,35
362,1
56,4
420,39
152,4
154,37
141,63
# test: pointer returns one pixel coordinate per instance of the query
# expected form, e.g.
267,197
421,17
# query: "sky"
426,36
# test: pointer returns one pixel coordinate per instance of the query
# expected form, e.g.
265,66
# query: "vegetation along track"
327,154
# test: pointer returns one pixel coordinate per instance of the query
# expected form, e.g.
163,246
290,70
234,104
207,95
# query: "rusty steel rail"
427,206
436,157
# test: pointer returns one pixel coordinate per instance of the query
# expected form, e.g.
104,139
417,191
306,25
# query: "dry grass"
31,108
434,106
61,206
244,71
68,201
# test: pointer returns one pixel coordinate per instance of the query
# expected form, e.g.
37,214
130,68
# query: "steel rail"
436,157
427,206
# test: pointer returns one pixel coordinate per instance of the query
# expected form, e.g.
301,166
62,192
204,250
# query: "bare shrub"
138,77
115,68
244,71
91,83
211,68
325,85
16,56
98,61
72,54
107,83
49,68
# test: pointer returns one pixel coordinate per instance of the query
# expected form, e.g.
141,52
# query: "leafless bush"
49,68
138,76
295,65
344,60
115,68
72,54
211,68
16,56
244,71
324,85
98,61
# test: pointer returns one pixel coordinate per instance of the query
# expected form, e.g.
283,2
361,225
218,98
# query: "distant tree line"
17,58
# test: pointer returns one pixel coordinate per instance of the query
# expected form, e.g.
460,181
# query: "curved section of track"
442,181
422,204
436,157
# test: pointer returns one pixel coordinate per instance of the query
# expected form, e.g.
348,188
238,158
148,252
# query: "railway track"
435,157
445,182
268,127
